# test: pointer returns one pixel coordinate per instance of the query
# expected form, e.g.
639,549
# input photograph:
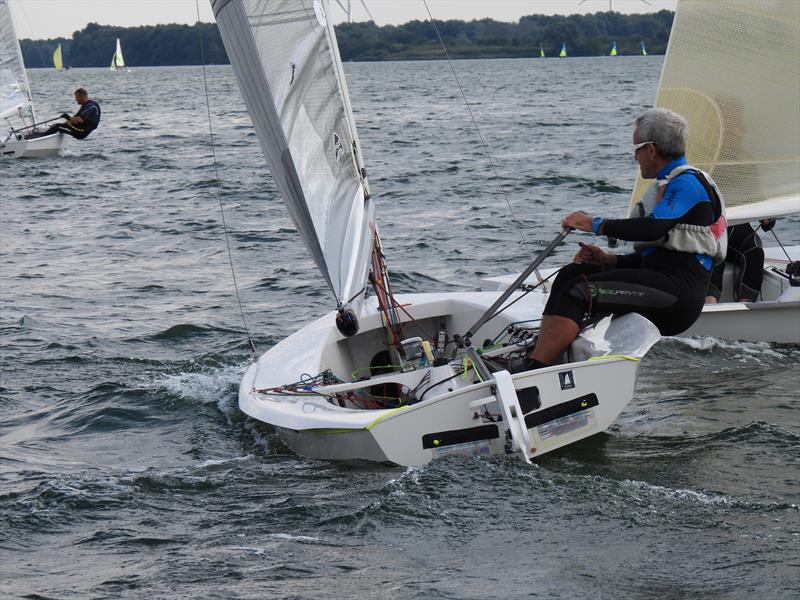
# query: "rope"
525,293
219,192
775,235
480,135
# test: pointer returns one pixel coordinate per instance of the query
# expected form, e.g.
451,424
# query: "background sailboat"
57,61
644,50
563,52
117,61
741,98
17,114
613,49
541,51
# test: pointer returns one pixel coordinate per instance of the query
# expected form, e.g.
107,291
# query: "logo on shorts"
596,292
567,380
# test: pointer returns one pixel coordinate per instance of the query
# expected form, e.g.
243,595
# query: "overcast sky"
43,19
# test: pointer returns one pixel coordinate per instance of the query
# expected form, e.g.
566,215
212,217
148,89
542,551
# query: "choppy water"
127,470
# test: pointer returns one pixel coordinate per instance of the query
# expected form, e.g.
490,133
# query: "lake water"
128,471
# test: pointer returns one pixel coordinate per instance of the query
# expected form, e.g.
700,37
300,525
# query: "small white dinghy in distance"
387,378
17,115
741,98
117,60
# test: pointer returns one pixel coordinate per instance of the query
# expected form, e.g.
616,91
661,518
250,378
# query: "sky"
44,19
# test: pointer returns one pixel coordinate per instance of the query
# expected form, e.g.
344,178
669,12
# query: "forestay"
732,70
287,63
15,96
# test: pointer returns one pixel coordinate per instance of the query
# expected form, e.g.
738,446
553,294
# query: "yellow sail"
741,98
614,49
563,52
57,62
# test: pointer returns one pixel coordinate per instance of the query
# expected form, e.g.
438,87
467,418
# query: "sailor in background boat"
83,122
678,233
747,256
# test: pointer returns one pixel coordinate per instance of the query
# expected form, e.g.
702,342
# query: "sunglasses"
639,146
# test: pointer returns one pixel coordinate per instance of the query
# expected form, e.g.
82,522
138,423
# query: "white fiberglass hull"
459,413
40,147
775,318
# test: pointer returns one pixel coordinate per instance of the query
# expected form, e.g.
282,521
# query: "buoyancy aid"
711,240
90,112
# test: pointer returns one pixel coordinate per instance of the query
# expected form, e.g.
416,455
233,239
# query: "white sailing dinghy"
393,378
732,70
117,60
17,115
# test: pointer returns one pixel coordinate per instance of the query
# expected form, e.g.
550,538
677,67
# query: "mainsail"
117,61
15,95
287,64
732,70
57,62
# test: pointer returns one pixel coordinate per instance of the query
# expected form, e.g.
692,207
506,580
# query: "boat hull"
774,319
555,406
453,424
751,321
40,147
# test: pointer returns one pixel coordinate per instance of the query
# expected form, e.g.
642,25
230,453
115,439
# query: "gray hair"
666,129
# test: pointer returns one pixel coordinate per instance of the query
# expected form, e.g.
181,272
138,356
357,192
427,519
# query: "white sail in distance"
15,94
117,61
287,64
732,70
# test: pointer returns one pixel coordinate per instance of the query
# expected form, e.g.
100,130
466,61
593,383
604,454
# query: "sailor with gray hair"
678,234
666,129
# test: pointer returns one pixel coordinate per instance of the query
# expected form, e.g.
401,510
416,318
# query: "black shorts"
669,290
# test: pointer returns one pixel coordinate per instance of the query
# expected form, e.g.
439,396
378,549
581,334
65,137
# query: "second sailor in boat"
679,234
747,255
83,122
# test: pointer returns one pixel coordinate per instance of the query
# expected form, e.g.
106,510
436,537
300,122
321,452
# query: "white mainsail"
732,70
117,61
15,94
287,63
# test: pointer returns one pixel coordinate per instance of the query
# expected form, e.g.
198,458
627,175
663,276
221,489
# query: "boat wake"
208,386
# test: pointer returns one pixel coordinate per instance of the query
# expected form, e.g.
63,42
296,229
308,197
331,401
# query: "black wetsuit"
747,255
666,286
89,112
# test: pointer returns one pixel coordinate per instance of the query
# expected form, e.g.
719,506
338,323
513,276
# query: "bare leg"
711,300
555,335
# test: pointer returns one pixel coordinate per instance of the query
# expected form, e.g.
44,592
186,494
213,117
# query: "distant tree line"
167,45
159,45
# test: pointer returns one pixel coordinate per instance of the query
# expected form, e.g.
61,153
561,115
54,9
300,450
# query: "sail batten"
288,69
731,69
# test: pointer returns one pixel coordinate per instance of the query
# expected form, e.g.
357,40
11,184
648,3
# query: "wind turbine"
348,9
611,4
